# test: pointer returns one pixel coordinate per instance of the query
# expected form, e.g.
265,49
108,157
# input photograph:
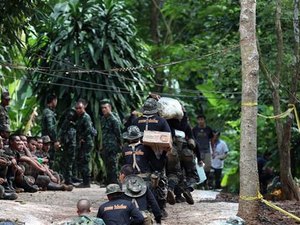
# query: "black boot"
7,196
28,185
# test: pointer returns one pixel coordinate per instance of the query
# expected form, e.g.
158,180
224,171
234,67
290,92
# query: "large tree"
248,147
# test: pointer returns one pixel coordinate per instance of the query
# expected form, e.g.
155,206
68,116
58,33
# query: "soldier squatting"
138,192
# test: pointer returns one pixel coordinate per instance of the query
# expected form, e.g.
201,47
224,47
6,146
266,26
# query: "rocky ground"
44,208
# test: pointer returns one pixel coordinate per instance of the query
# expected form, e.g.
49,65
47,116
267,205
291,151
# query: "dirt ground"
210,208
44,208
268,215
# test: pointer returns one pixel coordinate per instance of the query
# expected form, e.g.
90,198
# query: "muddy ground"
44,208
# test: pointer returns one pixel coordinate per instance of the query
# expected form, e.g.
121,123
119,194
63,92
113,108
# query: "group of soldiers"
149,178
170,174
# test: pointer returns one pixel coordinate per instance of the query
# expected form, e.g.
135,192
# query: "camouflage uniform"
4,118
85,144
85,220
68,142
49,127
111,142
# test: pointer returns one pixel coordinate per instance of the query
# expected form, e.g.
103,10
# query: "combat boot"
83,185
7,196
67,187
188,196
76,180
171,197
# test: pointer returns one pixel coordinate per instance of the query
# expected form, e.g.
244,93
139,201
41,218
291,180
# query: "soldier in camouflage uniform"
67,136
111,141
83,210
49,125
85,142
4,118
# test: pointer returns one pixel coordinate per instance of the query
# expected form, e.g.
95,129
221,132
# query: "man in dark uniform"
111,140
49,125
181,168
135,153
136,190
85,142
203,135
4,118
67,137
150,120
117,210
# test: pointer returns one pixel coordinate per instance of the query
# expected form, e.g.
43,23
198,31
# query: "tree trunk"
154,21
289,188
248,146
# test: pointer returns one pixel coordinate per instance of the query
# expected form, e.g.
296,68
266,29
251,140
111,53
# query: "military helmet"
134,186
113,188
46,139
150,106
132,133
105,101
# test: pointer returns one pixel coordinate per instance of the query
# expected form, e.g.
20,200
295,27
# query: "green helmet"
150,106
134,186
113,188
132,133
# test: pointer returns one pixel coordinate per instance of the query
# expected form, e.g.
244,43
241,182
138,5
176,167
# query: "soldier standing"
111,141
4,118
85,142
49,125
67,136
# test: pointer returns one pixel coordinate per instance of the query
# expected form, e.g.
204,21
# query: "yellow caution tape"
279,116
292,108
260,197
249,104
296,115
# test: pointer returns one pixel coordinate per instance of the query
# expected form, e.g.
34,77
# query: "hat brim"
129,137
129,192
149,112
110,193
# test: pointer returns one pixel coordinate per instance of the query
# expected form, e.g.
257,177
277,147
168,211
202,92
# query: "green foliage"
89,35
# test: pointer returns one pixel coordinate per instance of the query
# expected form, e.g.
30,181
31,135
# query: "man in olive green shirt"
49,125
85,142
111,141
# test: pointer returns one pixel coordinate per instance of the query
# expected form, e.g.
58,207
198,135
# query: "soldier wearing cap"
4,118
111,140
150,120
49,125
85,142
118,210
135,153
136,190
